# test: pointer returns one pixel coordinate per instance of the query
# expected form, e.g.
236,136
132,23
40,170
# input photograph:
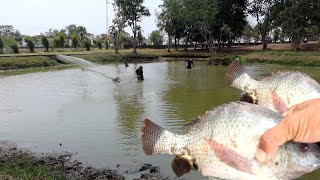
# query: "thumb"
271,140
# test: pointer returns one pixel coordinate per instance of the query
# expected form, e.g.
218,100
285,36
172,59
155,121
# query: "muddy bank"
16,163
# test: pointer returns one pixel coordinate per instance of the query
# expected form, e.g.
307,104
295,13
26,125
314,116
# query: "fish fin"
231,158
278,103
157,140
181,166
237,78
190,125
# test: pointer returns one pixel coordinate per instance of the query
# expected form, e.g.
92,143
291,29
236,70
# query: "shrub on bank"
1,45
14,47
87,45
30,44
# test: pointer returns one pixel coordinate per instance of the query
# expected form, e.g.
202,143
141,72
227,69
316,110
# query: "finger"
289,111
271,140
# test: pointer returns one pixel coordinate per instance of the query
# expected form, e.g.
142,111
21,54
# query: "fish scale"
223,142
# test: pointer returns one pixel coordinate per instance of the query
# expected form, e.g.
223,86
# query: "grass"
40,59
35,70
110,57
11,63
286,58
27,168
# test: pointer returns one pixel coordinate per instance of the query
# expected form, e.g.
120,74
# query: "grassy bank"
24,62
286,58
111,57
281,57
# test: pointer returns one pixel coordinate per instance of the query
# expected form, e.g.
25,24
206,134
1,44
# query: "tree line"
218,22
215,23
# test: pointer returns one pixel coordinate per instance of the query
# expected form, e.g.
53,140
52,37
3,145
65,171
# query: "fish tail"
157,140
236,77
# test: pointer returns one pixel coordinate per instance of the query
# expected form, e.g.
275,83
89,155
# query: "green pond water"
100,121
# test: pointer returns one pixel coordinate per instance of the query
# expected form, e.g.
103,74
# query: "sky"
33,17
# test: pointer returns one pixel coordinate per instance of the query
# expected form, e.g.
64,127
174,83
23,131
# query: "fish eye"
304,148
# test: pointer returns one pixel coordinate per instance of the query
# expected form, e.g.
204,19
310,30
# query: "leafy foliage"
1,45
14,47
87,44
45,43
133,11
75,41
30,43
156,38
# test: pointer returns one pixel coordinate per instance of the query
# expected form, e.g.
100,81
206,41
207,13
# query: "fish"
223,142
278,91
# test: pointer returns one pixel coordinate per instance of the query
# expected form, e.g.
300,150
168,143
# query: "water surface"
89,114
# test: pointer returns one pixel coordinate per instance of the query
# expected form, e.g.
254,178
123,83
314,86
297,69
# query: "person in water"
301,124
238,59
139,73
126,64
189,63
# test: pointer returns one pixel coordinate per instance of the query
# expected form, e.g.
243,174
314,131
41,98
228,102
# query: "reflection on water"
100,120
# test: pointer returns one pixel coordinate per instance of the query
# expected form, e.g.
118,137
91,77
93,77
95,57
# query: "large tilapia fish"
223,143
278,91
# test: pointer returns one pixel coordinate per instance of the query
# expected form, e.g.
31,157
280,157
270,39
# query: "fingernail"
261,155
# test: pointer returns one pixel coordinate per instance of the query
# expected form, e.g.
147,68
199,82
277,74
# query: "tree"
140,36
168,18
45,43
276,35
62,39
57,41
204,18
1,45
71,30
156,38
52,33
75,41
82,33
30,43
87,44
265,12
296,17
118,26
248,33
230,20
133,11
8,31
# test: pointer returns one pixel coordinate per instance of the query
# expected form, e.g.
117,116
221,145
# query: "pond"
80,111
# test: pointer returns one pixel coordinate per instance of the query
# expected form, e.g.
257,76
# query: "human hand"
301,124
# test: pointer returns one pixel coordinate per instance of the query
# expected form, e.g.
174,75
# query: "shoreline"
13,62
17,163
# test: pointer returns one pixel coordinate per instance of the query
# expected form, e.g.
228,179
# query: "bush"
75,41
87,45
45,43
99,44
1,45
14,47
30,44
